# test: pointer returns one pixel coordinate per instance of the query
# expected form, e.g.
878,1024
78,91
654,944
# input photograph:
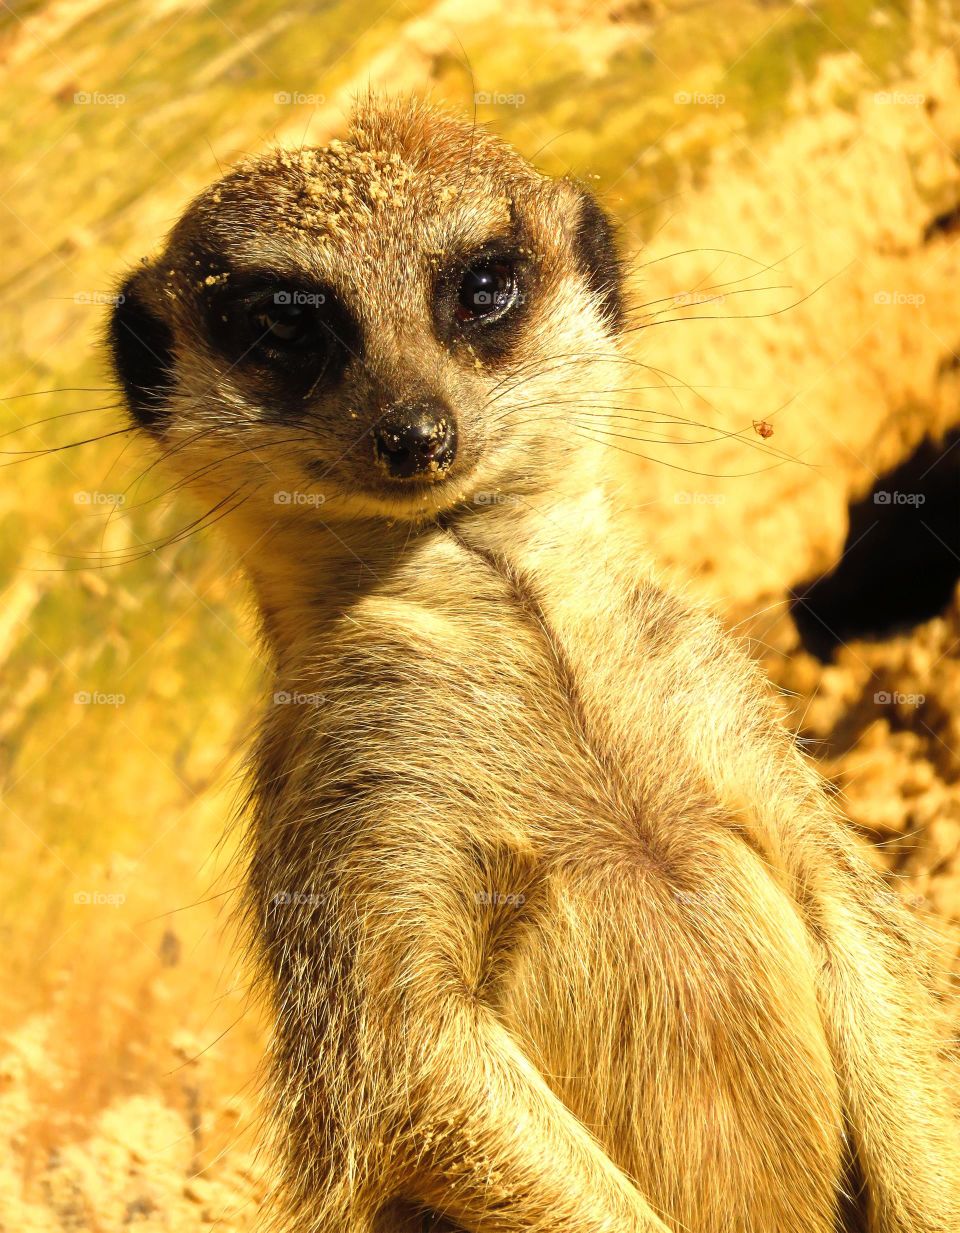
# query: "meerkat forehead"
402,182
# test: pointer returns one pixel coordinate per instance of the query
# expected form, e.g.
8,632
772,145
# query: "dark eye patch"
289,338
481,297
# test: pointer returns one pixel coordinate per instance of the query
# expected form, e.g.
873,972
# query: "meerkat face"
387,326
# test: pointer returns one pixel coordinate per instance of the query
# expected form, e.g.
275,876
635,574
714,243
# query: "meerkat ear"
141,345
595,246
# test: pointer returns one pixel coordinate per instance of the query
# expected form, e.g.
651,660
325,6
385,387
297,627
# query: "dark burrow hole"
901,560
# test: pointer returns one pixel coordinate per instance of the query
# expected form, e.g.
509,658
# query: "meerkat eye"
293,337
487,290
282,322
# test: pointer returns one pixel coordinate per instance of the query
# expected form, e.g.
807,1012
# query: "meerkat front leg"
397,1082
495,1150
482,1141
473,1131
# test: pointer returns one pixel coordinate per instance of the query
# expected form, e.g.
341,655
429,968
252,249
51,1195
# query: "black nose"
416,440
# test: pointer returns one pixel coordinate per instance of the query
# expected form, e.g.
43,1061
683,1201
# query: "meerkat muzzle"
416,441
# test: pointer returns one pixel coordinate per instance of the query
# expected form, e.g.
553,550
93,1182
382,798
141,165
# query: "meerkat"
561,930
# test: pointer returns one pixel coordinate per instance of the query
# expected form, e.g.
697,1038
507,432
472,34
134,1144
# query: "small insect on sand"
763,429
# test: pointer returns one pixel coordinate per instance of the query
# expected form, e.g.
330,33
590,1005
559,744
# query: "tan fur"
562,932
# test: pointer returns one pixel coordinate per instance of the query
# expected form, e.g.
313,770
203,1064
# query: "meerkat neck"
306,576
309,573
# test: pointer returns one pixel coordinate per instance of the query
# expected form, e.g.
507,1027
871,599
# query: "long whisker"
709,299
672,382
128,556
764,269
720,435
641,416
774,312
580,399
676,466
727,252
200,472
574,398
542,367
64,389
164,456
27,455
63,415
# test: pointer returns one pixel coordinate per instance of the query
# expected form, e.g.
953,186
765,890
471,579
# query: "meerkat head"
388,325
